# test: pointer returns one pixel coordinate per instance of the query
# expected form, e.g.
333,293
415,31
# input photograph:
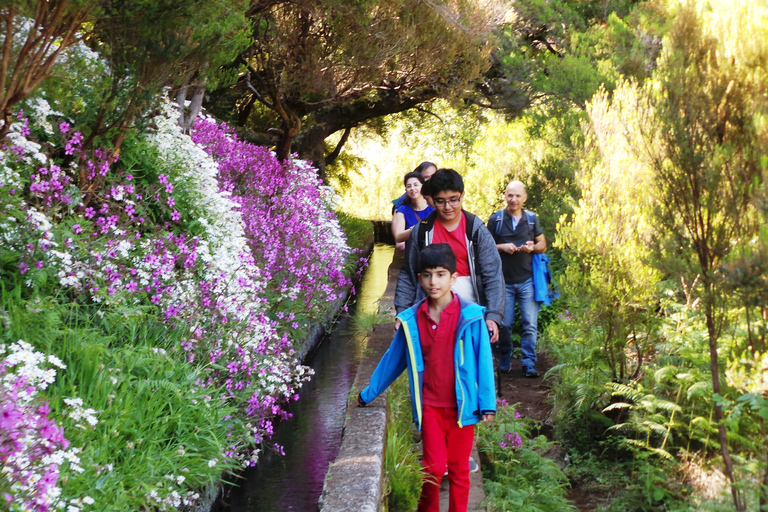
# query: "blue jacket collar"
469,311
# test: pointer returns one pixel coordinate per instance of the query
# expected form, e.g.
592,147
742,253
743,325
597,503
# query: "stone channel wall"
355,481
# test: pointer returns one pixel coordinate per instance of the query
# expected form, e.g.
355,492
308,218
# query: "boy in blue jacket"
443,342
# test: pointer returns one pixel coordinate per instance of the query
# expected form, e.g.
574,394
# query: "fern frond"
666,405
625,391
665,373
618,405
699,389
662,453
656,427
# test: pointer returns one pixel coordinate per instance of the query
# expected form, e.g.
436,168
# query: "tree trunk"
714,367
310,146
187,116
290,129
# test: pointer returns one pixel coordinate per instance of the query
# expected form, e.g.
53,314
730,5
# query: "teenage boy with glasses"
480,278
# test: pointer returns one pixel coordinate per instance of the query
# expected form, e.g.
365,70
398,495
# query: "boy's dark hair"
437,255
443,179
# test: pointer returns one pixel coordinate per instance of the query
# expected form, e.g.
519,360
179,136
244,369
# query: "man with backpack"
518,235
478,264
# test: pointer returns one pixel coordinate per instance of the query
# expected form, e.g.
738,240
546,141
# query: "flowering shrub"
518,475
231,249
285,216
33,448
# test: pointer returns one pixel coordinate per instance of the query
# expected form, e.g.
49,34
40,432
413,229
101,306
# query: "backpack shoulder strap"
425,225
499,219
531,223
470,223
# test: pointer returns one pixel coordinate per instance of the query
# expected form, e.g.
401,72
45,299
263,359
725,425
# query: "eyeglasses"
453,201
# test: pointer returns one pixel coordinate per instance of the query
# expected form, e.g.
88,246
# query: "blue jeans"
522,295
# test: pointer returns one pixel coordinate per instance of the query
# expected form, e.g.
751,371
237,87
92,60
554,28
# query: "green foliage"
608,284
358,231
487,154
516,474
157,426
324,67
365,322
401,457
137,47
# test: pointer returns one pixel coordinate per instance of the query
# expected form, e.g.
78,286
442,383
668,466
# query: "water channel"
312,437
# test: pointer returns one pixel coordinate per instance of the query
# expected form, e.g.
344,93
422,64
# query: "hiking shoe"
530,372
505,370
473,467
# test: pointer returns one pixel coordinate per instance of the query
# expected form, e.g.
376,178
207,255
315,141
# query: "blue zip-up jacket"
473,365
542,277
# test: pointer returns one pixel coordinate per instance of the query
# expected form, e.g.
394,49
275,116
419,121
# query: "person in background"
518,235
443,343
426,169
413,209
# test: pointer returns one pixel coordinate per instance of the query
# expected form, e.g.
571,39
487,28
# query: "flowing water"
312,437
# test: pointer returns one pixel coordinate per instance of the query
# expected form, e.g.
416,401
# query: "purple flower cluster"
293,235
31,444
513,440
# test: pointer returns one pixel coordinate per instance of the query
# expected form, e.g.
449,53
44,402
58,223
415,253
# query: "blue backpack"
544,287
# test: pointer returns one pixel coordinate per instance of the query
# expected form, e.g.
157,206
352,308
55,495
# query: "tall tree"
318,67
151,44
703,146
145,45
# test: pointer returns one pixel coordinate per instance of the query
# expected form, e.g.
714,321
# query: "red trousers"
445,445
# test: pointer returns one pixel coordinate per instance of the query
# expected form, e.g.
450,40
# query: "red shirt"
438,342
457,240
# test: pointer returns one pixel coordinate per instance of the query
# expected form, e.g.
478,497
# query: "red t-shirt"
438,343
457,240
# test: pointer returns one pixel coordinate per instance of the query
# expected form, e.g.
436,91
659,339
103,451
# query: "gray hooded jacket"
484,267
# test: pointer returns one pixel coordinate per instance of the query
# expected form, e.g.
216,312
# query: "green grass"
358,231
401,458
157,428
365,322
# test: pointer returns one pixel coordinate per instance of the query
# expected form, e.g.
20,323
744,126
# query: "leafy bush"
517,476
